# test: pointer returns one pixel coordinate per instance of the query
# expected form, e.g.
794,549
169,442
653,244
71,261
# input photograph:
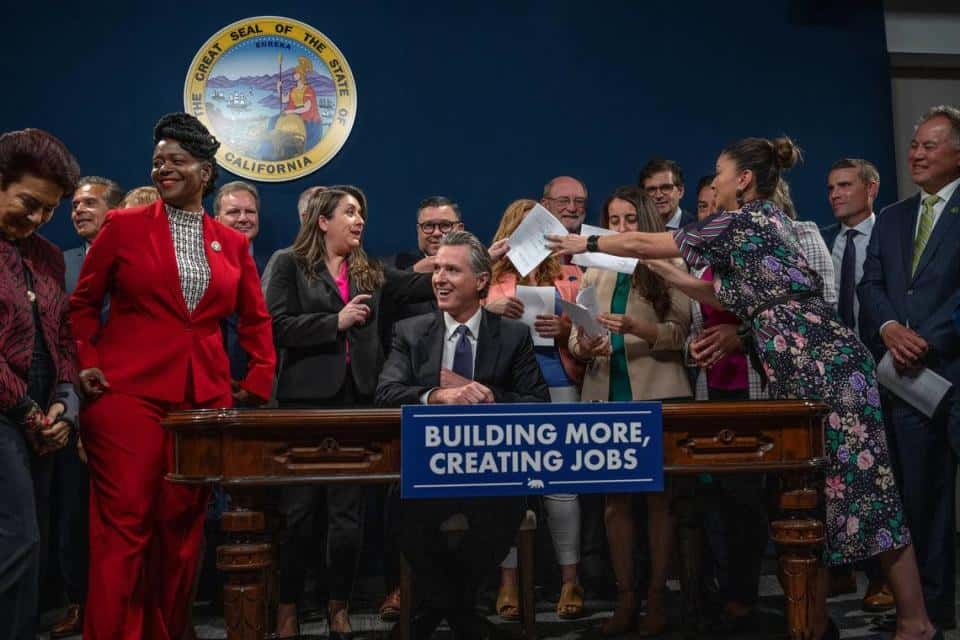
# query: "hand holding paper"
527,243
603,260
537,301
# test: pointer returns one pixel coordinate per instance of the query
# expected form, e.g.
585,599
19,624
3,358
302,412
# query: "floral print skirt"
808,354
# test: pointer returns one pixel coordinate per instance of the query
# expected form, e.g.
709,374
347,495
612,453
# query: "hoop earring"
739,196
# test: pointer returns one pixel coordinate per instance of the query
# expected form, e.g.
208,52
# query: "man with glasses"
566,198
662,180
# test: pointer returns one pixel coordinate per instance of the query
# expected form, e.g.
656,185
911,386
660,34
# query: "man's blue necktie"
848,280
463,354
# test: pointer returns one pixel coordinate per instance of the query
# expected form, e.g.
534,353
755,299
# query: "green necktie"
924,230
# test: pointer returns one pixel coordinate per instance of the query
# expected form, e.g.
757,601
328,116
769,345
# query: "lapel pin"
215,246
955,210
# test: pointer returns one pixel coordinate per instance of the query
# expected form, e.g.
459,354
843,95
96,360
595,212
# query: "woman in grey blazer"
325,294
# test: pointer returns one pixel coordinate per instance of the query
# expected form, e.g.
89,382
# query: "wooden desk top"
254,447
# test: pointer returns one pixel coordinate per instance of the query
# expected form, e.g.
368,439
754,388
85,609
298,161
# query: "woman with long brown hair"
325,295
640,359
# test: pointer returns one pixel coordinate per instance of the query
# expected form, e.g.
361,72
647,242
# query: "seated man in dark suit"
459,355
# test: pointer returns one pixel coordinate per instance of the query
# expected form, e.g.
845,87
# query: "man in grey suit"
459,354
92,199
908,294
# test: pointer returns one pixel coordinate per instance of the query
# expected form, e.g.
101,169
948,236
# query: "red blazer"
151,346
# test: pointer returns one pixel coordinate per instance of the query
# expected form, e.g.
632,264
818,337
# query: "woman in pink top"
563,375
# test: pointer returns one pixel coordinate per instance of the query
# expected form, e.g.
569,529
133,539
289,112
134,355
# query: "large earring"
739,196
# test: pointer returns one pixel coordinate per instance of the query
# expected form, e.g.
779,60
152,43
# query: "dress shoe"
878,598
888,624
71,623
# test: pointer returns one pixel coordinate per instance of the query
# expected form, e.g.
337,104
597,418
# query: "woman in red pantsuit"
172,275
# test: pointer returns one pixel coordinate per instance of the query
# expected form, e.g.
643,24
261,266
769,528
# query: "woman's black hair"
195,139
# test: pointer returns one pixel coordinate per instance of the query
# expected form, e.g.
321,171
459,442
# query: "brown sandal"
508,602
570,604
390,609
624,617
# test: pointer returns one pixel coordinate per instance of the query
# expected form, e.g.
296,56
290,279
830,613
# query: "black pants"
24,494
69,513
447,578
925,465
345,512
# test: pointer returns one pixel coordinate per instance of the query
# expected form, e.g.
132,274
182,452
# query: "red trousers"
145,532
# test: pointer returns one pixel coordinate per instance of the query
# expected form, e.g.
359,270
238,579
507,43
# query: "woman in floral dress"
761,275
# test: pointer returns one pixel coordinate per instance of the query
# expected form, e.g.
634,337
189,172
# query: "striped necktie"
923,230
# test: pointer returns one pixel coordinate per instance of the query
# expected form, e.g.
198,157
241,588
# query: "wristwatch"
593,243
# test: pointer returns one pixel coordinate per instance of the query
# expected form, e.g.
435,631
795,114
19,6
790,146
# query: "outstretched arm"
699,290
633,244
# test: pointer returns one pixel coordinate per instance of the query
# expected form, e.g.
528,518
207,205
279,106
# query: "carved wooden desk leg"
245,559
799,540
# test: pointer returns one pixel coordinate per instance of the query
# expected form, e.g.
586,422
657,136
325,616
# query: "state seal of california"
277,93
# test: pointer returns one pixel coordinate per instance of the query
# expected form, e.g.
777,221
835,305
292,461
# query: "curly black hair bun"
195,139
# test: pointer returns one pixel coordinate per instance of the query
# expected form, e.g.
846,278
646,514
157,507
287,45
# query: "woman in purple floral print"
761,275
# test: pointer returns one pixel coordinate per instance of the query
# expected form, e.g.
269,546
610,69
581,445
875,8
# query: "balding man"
566,198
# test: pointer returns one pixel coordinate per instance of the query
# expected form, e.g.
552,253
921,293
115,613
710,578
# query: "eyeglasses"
445,226
579,203
662,188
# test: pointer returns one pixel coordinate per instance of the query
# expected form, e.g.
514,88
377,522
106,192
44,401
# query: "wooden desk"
246,450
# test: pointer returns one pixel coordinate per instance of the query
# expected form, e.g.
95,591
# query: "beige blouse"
656,370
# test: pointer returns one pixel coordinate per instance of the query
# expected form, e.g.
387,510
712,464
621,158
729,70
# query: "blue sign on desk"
523,449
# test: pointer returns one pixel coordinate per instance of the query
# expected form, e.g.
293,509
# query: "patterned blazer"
17,329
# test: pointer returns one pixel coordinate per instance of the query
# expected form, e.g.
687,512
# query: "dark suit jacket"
151,344
829,234
72,261
686,217
504,361
925,301
304,313
231,338
393,312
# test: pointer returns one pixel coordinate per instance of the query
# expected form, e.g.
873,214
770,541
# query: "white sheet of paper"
582,317
587,298
527,245
537,301
603,260
924,391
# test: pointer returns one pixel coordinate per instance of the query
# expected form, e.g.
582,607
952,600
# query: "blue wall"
482,101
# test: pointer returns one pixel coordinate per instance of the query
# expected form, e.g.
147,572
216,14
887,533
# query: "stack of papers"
528,246
603,260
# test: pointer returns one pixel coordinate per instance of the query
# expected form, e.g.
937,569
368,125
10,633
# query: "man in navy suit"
237,205
92,199
662,180
852,187
908,294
